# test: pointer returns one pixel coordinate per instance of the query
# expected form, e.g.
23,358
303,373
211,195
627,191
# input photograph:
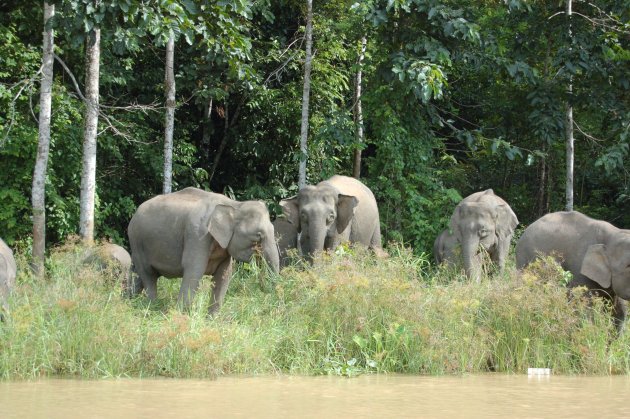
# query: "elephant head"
320,213
243,230
484,222
609,264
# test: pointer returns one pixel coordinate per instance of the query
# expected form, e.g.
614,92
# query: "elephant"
192,232
335,210
482,220
594,251
445,247
114,257
287,237
8,272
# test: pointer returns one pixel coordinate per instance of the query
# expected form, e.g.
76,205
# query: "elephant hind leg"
146,278
375,242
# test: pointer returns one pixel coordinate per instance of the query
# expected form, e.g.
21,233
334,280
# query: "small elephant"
335,210
481,220
594,251
111,256
445,247
287,237
192,232
8,272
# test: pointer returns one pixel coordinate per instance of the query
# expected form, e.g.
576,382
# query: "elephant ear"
221,225
291,210
595,265
506,221
346,205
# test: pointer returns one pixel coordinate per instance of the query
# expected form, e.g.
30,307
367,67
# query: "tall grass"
349,313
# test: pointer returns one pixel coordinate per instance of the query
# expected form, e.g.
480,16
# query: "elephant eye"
304,216
483,232
330,218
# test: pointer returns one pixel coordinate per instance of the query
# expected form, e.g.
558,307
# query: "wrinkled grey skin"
595,252
111,256
482,221
193,232
333,211
287,238
8,272
445,248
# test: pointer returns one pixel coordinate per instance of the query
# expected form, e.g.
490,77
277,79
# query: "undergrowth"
349,313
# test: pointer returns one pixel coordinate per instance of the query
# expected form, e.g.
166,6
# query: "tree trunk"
569,129
306,94
205,137
228,124
88,172
169,86
542,183
358,113
38,193
217,156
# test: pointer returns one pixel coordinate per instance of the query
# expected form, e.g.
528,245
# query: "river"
367,396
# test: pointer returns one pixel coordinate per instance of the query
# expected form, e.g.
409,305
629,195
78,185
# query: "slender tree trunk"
217,156
41,161
542,183
169,85
306,94
570,148
358,112
226,128
88,172
205,137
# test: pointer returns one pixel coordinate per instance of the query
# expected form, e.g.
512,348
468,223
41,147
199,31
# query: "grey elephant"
445,247
287,237
333,211
594,251
8,272
111,256
193,232
480,222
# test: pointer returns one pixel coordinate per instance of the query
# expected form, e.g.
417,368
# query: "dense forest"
427,101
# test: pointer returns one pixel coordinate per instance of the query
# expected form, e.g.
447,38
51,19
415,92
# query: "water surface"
367,396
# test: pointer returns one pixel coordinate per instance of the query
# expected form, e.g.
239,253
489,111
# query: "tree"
569,127
169,87
306,94
358,112
88,172
38,192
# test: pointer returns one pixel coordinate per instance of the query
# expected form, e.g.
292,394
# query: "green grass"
348,314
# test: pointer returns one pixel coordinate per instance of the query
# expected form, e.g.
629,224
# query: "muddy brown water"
382,396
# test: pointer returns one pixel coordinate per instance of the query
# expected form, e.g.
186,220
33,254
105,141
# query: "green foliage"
349,314
458,96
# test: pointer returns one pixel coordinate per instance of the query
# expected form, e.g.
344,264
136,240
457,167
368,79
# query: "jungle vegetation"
427,100
456,96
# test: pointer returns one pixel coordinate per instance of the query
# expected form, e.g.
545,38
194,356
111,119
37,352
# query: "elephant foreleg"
222,277
190,283
503,248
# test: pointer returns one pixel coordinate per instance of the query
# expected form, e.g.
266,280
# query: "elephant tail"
133,282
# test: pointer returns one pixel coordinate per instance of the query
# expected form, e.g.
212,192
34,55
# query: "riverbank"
347,315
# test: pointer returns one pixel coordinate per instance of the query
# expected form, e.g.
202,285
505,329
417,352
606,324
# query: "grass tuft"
350,313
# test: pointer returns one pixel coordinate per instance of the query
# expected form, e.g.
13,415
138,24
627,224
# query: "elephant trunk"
317,237
271,251
272,257
470,245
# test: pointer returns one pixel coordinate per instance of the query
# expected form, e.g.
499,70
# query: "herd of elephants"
191,233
